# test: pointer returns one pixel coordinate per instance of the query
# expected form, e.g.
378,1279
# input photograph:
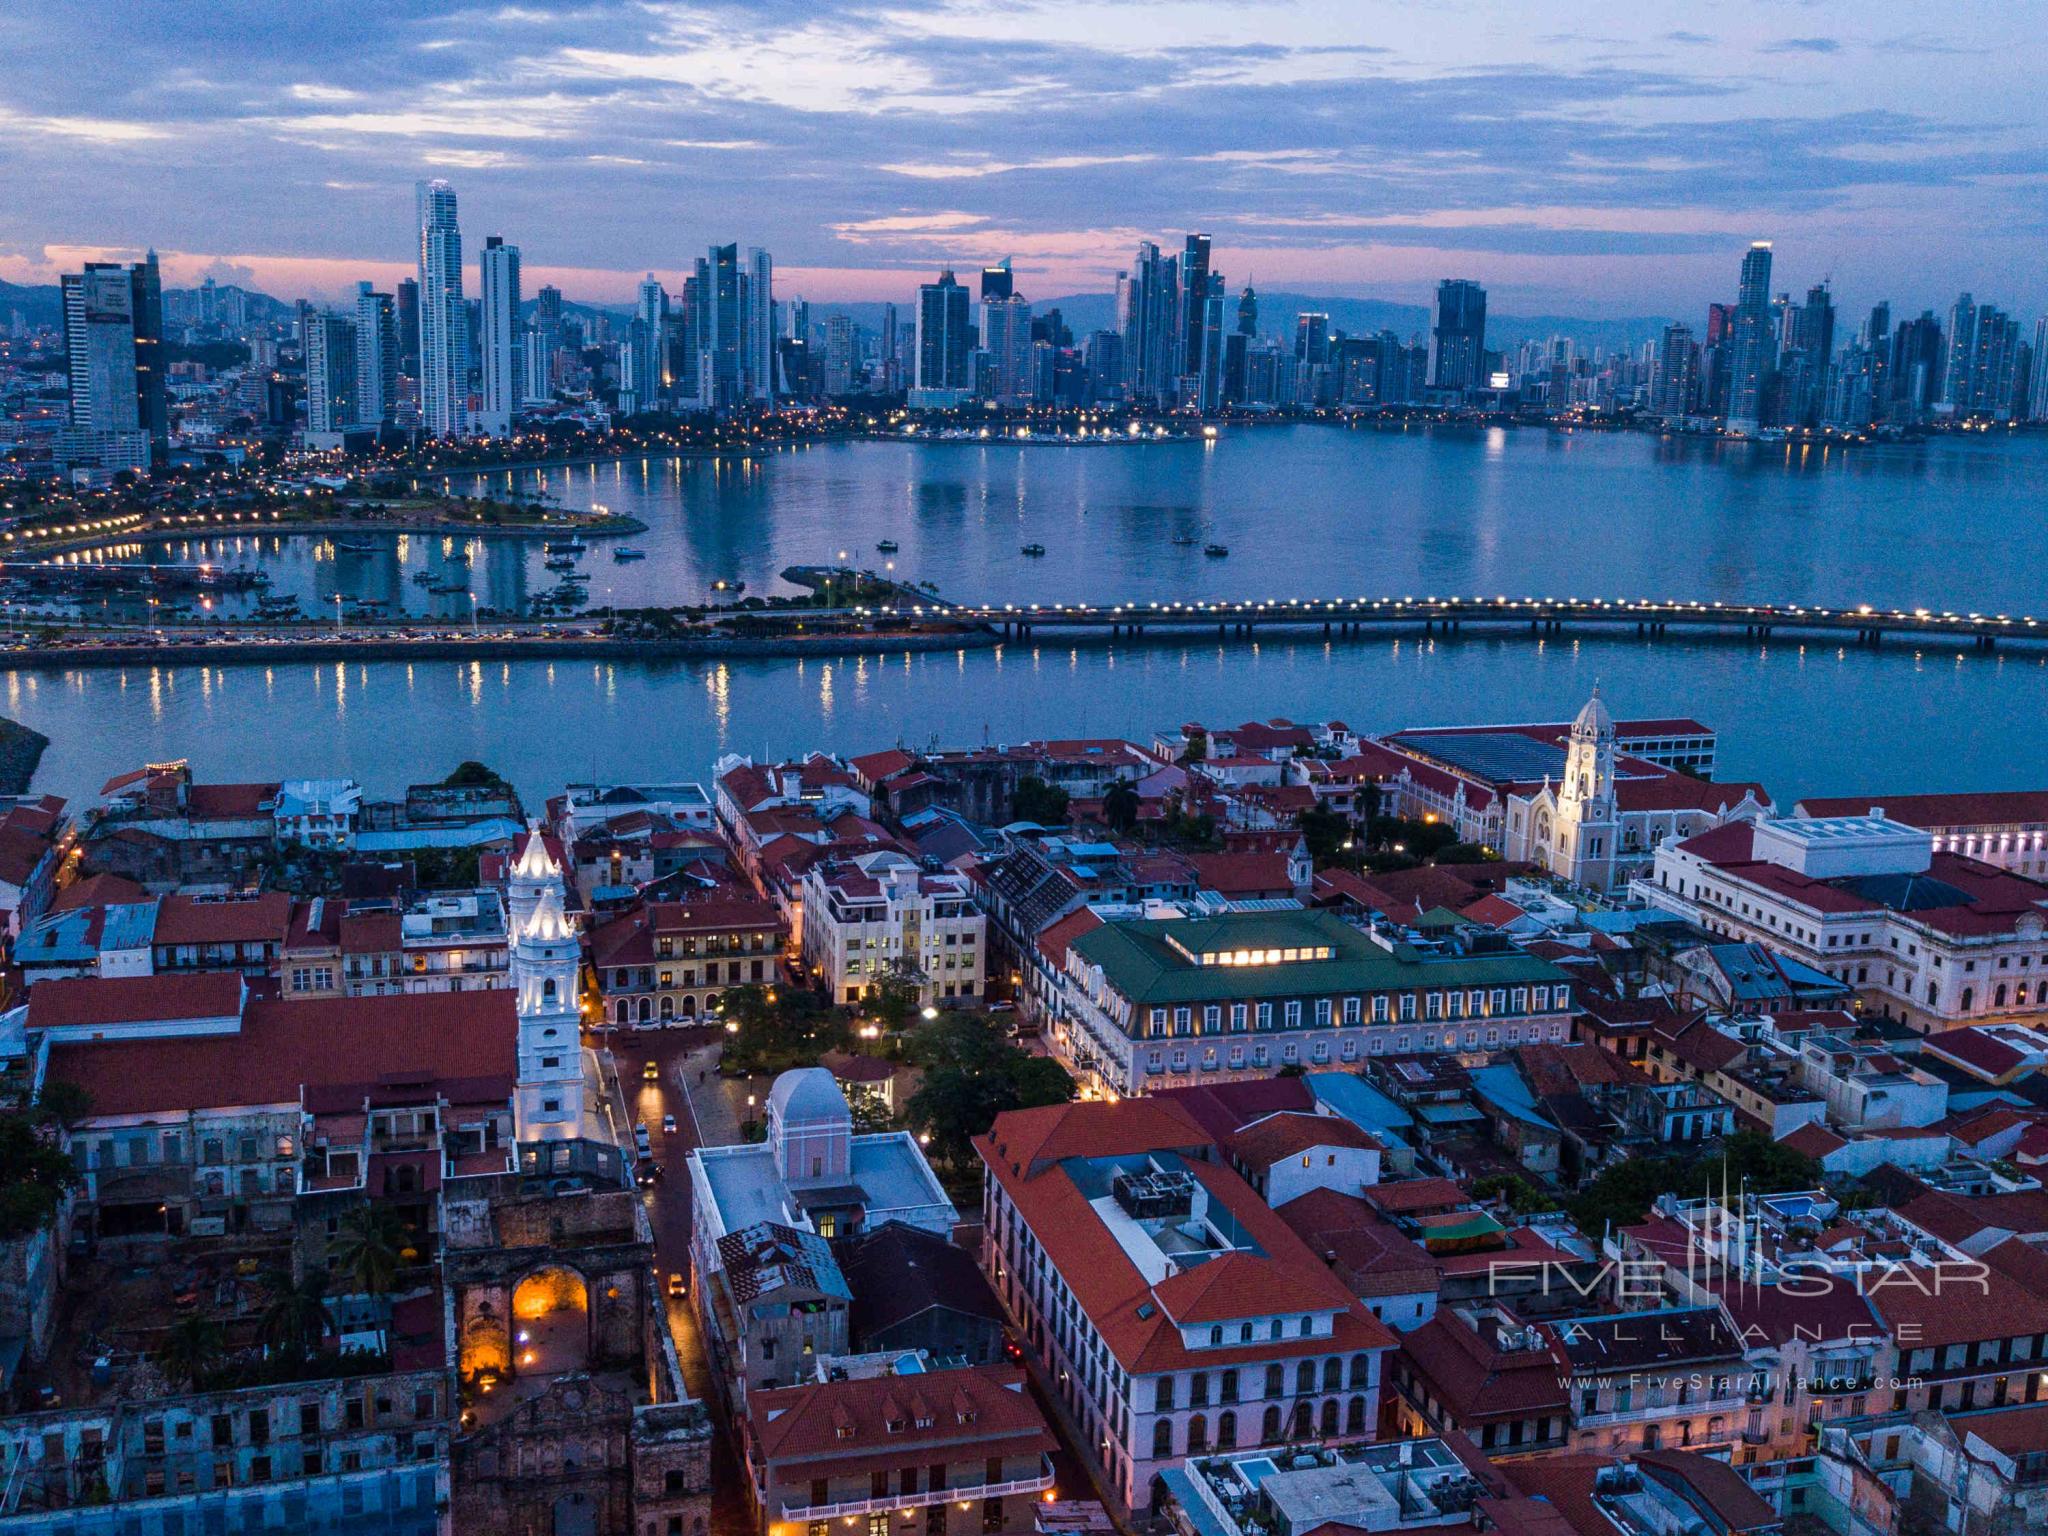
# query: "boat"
1185,540
728,586
888,546
1215,551
356,546
424,578
559,563
570,546
1033,549
627,552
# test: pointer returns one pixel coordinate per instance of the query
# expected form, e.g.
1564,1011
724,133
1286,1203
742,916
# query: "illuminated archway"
551,1321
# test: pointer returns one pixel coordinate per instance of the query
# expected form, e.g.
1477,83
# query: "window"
1162,1439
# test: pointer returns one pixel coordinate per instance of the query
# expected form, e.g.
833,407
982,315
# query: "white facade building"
444,321
879,915
546,957
504,369
1932,939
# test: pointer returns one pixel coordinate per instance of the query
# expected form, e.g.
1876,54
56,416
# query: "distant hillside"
38,305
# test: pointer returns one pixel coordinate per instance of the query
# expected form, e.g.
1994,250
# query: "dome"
1594,719
805,1094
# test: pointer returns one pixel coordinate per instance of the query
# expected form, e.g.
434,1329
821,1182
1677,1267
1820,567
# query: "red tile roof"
74,1002
228,802
1988,808
286,1048
1279,1137
1476,1381
1054,941
259,919
834,1422
1935,1309
98,891
1813,1140
1243,874
1371,1255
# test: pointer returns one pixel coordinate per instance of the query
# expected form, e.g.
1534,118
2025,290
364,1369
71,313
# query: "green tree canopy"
779,1028
971,1075
1036,800
471,774
34,1172
1120,806
1623,1194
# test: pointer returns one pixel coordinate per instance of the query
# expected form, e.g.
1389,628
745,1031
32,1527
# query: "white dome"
1594,719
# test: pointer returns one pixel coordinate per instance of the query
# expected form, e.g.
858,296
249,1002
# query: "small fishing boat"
571,546
888,546
1033,550
626,552
1215,551
356,546
559,563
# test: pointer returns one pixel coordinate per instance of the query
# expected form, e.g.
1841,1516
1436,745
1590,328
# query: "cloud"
947,170
1804,45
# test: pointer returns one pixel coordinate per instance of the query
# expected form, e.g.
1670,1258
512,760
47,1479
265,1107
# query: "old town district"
1257,1130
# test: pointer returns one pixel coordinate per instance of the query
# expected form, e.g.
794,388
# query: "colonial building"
879,916
963,1452
665,962
2004,828
1155,1004
1171,1310
1931,939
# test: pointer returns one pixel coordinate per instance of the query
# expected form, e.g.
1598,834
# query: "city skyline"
1364,153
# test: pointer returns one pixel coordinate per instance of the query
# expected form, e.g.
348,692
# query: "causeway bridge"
1340,616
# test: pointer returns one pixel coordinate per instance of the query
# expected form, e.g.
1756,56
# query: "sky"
1591,159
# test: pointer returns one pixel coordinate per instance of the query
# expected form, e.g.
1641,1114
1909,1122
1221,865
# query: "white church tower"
533,872
1588,832
545,961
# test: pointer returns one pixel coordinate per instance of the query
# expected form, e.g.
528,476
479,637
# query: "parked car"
668,1125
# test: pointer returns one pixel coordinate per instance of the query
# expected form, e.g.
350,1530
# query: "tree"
64,1103
1037,801
779,1029
971,1075
893,997
1623,1194
190,1349
1120,806
35,1174
1328,834
295,1322
367,1247
471,774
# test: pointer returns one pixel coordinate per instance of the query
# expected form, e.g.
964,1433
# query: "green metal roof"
1139,959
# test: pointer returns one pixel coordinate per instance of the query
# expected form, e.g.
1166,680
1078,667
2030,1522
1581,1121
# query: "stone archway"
551,1321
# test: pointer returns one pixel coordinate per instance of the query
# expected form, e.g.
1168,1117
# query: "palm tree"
367,1248
296,1320
189,1349
1120,805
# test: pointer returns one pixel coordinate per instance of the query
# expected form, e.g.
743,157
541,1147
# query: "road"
677,1052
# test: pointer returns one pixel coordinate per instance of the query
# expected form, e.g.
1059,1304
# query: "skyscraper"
997,282
2037,394
504,338
1962,344
376,357
444,318
1674,387
113,330
406,297
1750,343
648,375
1190,365
725,341
760,326
1151,337
330,342
1006,337
942,378
1247,312
1457,339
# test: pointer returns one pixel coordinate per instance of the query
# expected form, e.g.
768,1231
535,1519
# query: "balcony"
1730,1405
930,1496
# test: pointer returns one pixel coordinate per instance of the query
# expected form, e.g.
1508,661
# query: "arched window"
1226,1430
1198,1434
1998,996
668,1007
624,1012
1333,1374
1329,1424
1276,1381
547,989
1305,1376
1269,1426
1303,1422
1162,1439
1354,1417
1361,1370
646,1010
1968,993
